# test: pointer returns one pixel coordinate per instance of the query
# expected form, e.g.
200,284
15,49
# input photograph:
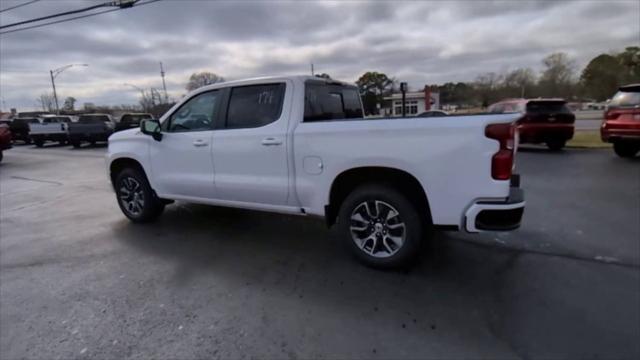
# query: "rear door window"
254,105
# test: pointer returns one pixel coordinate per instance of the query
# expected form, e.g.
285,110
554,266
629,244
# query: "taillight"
611,115
502,161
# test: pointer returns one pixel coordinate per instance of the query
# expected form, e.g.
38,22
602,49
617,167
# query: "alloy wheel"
377,228
131,196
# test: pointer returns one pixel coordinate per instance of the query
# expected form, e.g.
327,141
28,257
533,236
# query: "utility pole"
312,73
164,85
55,95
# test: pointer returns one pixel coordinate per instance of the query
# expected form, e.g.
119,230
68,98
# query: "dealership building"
416,102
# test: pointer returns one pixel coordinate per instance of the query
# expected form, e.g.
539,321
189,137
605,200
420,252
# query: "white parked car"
300,145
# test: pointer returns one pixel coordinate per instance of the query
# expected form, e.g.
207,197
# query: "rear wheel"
75,143
38,142
556,144
380,226
626,149
135,197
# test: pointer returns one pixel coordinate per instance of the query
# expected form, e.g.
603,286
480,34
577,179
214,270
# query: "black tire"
1,155
131,185
27,141
75,143
38,142
556,144
626,149
62,142
381,253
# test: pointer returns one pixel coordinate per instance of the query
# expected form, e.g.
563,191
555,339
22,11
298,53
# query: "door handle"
271,141
199,142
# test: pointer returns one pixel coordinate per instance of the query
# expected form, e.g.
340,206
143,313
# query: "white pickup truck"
300,145
51,128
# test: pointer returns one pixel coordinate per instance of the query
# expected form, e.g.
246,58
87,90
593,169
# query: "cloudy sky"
418,42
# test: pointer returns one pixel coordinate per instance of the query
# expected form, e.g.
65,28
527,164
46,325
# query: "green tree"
373,87
69,103
197,80
601,77
629,59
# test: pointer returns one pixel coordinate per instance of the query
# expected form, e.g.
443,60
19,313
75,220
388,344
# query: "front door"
250,148
181,162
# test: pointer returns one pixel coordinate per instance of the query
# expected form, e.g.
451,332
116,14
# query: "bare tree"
197,80
557,79
47,102
519,81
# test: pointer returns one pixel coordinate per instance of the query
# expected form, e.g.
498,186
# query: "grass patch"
587,139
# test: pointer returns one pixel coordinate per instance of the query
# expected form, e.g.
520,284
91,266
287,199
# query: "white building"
415,103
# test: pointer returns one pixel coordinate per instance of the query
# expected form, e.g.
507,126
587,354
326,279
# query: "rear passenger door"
250,145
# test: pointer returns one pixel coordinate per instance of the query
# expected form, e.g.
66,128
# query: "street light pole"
55,73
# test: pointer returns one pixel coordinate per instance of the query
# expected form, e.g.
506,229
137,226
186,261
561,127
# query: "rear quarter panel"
449,156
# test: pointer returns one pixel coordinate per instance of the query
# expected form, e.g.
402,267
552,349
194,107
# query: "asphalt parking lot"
77,280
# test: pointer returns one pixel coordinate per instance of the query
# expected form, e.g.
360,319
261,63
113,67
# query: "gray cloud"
419,42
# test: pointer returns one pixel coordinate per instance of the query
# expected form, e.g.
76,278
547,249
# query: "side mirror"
152,128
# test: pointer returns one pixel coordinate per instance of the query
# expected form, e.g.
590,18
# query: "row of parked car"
65,129
551,121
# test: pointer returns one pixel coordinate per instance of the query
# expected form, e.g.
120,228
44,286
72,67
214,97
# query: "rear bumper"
537,133
613,131
496,215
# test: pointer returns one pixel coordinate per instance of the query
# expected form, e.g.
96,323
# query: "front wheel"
381,227
135,197
556,145
626,149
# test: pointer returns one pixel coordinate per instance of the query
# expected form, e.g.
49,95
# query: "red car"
547,121
5,138
621,124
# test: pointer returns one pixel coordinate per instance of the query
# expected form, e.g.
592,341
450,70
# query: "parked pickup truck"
52,128
20,128
90,128
132,120
300,145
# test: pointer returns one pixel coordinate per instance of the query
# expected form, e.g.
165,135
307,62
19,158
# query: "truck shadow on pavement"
482,296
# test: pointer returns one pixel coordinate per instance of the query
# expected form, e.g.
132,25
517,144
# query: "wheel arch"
401,180
119,164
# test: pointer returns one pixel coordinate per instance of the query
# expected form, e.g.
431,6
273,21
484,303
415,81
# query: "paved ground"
79,281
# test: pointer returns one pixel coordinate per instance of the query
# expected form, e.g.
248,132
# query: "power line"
19,5
111,3
74,18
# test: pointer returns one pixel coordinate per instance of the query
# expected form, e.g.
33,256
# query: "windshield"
26,121
134,118
93,119
57,119
625,98
547,107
